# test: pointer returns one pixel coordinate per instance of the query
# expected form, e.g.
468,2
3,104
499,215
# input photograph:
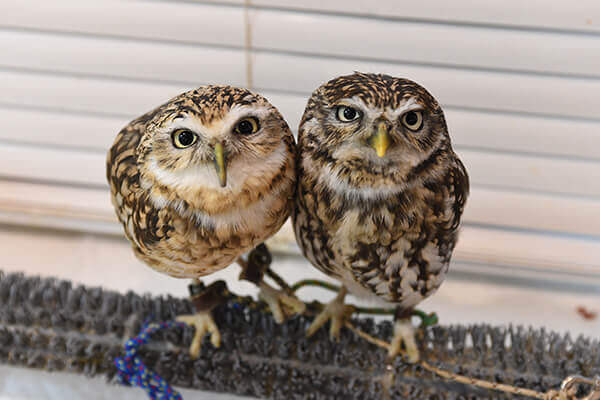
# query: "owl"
199,181
380,195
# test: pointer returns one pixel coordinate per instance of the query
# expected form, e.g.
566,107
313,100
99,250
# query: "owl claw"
204,323
404,333
275,299
337,312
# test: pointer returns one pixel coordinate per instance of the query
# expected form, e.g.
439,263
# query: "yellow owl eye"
183,138
347,114
413,120
247,126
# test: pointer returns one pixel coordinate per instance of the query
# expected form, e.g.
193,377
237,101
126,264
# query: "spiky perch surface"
50,324
178,218
385,226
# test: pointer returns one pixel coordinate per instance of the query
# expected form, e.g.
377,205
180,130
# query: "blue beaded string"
132,371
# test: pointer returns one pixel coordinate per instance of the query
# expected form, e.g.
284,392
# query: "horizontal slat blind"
93,95
51,165
113,58
68,130
426,43
153,20
542,14
519,83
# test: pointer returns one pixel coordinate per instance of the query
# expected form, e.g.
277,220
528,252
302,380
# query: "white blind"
519,81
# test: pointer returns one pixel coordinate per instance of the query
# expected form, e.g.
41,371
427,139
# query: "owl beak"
220,164
381,140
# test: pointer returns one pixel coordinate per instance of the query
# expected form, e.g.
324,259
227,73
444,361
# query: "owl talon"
404,333
204,323
275,299
337,312
204,298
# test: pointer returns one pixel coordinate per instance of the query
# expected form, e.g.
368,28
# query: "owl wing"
459,191
450,200
144,224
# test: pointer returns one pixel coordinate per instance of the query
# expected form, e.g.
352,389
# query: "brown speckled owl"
380,194
202,179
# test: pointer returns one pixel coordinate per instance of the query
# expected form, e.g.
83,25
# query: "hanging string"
133,372
566,392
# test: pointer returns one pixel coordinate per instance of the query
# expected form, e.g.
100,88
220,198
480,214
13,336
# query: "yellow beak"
220,164
381,140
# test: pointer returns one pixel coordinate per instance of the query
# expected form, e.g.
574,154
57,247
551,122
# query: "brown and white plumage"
380,190
177,216
202,179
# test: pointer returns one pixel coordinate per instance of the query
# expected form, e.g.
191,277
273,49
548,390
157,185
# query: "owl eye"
347,114
183,138
413,120
247,126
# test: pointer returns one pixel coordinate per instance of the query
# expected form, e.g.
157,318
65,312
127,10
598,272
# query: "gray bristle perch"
52,325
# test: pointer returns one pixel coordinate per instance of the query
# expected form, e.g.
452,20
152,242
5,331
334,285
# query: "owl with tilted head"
201,180
380,195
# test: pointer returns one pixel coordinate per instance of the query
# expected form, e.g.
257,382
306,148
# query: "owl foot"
204,323
280,303
204,300
337,312
404,333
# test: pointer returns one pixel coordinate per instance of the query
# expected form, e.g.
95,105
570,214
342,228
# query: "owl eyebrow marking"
179,116
410,104
185,112
350,101
237,113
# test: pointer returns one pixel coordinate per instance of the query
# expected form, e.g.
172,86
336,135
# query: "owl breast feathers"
380,190
202,179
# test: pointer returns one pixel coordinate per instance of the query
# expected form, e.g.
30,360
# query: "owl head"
213,145
372,130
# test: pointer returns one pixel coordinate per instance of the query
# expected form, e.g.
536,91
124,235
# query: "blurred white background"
519,82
